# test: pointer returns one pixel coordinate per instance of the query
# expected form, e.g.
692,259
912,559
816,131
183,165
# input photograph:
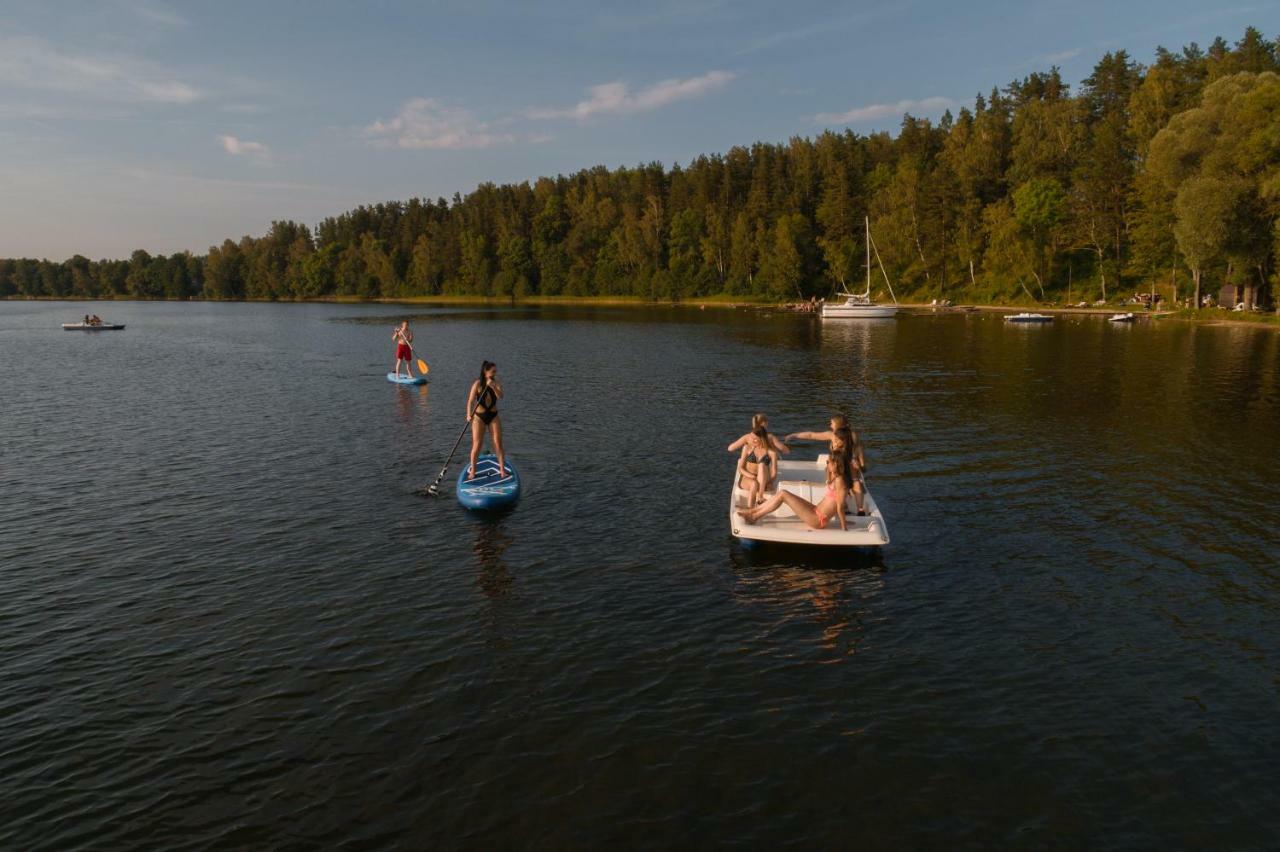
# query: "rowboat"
88,326
807,479
1024,317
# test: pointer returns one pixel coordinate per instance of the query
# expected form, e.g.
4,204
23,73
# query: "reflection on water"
833,588
1080,606
488,546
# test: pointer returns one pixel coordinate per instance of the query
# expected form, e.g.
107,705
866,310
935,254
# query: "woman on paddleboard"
403,337
482,414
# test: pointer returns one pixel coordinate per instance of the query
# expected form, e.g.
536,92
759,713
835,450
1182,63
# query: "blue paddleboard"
491,488
402,380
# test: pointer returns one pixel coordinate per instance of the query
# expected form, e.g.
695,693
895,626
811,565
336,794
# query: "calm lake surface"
228,620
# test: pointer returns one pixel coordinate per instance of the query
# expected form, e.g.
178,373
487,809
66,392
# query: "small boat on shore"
1029,318
1126,317
91,326
807,479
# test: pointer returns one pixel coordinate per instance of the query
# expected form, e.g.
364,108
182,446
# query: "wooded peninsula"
1150,176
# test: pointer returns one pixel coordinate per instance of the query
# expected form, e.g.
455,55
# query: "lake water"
228,620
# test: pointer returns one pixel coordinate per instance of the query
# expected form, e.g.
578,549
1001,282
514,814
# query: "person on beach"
815,516
482,414
403,337
757,466
759,421
842,438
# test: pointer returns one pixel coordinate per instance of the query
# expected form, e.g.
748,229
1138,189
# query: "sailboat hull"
858,311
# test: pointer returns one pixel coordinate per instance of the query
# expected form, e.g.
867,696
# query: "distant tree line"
1167,172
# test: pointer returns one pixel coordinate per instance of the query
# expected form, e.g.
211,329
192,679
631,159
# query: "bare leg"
495,432
859,496
803,508
477,438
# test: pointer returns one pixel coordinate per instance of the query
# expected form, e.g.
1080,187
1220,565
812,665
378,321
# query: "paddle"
434,488
422,365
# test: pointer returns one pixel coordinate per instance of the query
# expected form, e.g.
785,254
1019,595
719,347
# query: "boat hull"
79,326
858,312
807,479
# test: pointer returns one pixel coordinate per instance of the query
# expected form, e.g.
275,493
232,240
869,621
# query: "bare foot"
746,518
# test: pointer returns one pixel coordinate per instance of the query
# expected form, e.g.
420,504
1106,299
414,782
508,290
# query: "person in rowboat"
759,421
815,516
757,466
841,437
403,337
482,414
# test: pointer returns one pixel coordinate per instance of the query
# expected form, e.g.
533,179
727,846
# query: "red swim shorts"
403,352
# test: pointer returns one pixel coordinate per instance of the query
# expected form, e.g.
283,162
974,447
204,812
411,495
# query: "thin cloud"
155,13
618,99
255,151
1055,58
428,124
33,63
822,28
872,112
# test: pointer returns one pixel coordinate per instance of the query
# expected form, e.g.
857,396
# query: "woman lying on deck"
839,481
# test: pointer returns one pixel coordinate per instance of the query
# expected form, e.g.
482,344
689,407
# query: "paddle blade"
422,367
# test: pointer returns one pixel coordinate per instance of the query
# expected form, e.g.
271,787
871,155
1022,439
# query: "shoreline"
1218,317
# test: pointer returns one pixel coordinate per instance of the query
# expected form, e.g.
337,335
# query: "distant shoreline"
1209,316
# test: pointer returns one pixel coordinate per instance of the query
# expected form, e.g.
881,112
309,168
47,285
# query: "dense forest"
1167,173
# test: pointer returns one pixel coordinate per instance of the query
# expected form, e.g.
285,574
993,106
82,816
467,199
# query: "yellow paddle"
422,367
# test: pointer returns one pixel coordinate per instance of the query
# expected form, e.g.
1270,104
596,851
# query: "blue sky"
169,126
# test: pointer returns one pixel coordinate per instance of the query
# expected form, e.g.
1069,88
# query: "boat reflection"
830,588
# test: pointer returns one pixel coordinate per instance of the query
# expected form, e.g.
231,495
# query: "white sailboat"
861,305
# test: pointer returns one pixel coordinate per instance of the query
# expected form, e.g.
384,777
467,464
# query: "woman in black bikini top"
757,466
482,414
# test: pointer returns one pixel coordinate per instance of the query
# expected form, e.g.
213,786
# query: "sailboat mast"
866,221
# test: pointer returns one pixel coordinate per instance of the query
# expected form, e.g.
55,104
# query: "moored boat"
807,479
861,305
1125,317
1025,317
90,326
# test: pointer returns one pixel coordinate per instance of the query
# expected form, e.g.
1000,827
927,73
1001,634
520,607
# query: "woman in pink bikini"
839,481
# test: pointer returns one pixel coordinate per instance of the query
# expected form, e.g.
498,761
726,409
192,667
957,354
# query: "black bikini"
488,399
764,462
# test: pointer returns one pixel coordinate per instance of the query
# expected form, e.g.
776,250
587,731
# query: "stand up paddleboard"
491,488
405,380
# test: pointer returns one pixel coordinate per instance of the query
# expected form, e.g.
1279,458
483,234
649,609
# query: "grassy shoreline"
1206,316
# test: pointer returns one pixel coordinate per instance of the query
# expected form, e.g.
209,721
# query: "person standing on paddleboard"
482,414
403,336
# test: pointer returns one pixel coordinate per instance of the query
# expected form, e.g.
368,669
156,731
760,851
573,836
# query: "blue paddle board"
404,380
491,488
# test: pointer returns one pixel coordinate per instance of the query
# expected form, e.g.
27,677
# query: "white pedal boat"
807,479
